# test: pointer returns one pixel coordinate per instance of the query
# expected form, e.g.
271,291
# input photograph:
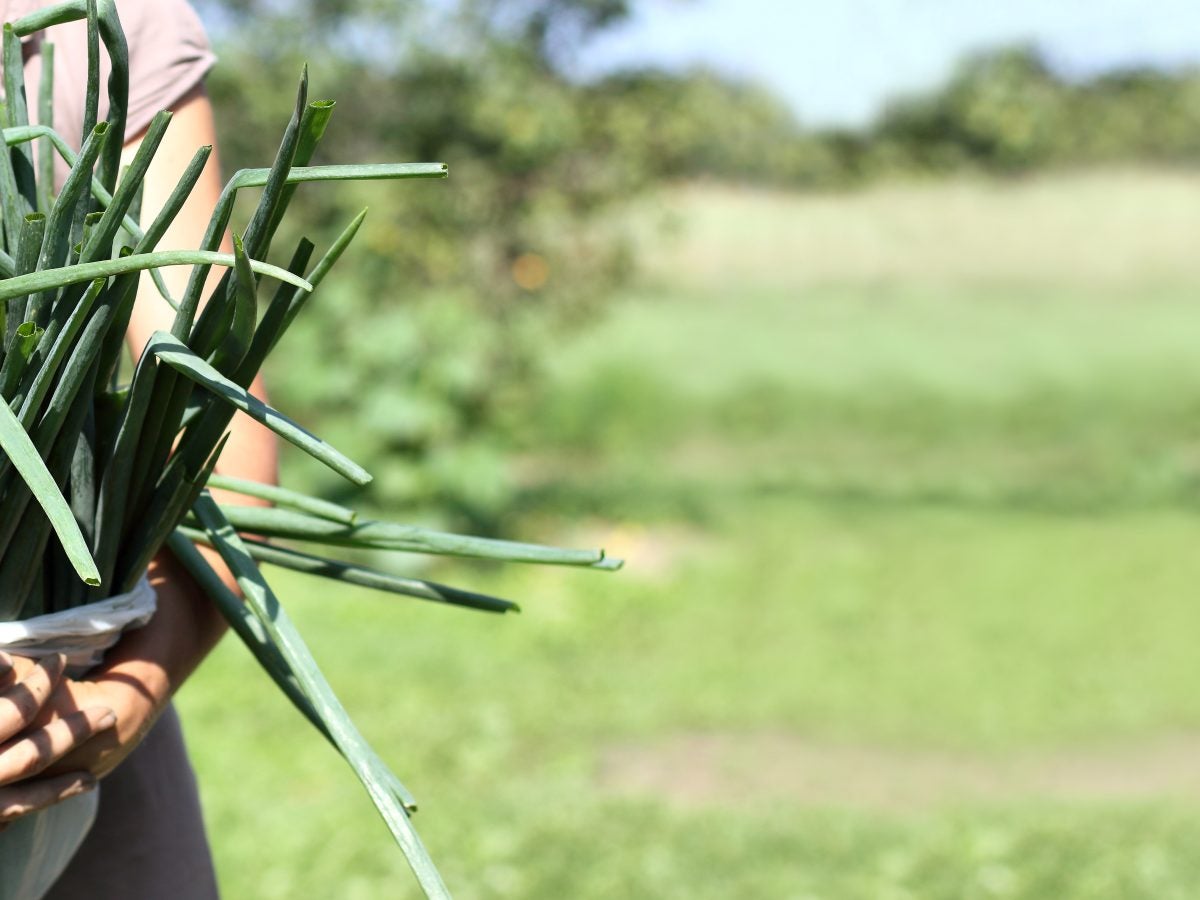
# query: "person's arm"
140,674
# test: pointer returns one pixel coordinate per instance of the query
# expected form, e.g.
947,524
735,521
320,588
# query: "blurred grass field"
907,481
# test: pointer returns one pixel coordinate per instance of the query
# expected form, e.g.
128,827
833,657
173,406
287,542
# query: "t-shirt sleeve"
169,54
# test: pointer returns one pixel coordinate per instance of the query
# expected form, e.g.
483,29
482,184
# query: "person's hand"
57,736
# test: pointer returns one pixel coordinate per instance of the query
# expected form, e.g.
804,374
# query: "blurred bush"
1003,111
1007,111
454,286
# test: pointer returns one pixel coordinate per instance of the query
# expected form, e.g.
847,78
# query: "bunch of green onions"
96,475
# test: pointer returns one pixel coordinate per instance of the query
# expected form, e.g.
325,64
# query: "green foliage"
1002,111
463,286
456,286
696,124
1008,111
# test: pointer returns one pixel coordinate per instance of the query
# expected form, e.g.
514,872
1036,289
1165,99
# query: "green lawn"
907,483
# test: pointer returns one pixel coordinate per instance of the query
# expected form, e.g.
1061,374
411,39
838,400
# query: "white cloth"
36,849
83,633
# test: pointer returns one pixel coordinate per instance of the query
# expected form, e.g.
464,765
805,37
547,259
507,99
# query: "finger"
23,799
21,702
8,672
31,753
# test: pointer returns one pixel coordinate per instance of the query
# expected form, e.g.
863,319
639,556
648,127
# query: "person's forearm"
148,665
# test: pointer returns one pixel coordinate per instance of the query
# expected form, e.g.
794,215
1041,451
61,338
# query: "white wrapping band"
83,633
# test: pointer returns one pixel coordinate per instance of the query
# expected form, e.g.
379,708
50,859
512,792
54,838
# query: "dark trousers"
148,842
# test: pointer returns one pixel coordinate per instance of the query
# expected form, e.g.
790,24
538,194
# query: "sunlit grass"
920,512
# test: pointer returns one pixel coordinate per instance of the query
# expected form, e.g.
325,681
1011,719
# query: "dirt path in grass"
732,769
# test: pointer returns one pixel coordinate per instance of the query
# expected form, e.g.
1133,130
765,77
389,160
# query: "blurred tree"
550,30
698,123
1008,111
1001,110
455,283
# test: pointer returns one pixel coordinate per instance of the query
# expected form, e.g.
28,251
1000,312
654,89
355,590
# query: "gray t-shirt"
169,54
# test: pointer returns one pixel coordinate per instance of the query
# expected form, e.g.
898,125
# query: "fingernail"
85,784
108,720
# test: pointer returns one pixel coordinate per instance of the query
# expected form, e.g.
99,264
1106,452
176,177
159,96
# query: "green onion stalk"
99,474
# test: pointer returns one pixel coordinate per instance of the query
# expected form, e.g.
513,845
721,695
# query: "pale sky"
836,61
